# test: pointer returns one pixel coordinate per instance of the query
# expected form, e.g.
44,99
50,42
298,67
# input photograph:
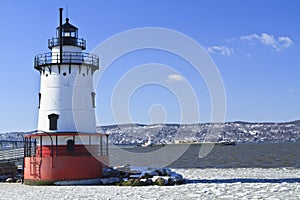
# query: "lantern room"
69,36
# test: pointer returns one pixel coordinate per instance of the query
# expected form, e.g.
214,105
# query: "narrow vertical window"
93,99
53,121
40,96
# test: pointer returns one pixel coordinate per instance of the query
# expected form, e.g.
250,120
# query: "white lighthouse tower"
66,145
66,98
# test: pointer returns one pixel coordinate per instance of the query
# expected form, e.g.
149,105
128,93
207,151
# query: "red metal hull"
46,170
56,157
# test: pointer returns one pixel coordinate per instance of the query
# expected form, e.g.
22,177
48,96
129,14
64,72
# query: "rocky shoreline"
118,176
132,176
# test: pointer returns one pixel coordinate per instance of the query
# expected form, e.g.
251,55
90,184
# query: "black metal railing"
73,41
29,147
46,59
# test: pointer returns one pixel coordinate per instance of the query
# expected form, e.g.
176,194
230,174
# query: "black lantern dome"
69,36
68,30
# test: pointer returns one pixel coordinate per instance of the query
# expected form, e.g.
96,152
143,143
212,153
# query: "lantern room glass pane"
66,34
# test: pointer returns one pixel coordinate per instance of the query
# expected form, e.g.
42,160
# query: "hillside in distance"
242,132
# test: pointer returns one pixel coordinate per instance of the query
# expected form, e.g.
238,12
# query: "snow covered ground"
209,183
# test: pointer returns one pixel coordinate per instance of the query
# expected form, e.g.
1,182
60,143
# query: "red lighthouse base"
51,163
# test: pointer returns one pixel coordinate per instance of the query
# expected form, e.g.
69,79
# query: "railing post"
56,147
25,147
41,146
101,146
106,144
34,146
30,146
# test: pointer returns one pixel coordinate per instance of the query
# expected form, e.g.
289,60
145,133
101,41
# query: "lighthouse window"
83,74
64,73
93,99
40,96
53,121
67,34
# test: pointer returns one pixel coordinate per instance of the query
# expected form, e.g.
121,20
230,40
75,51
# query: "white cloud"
222,50
285,42
175,77
278,44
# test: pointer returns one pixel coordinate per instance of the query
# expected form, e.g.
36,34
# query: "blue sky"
255,45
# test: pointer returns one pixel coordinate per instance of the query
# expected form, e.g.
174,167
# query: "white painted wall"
68,96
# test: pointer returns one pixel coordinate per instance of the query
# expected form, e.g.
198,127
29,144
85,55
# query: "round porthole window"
64,73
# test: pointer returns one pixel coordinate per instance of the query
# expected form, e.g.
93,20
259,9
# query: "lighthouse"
66,145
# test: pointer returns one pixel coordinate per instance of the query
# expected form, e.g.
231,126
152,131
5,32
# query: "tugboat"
226,142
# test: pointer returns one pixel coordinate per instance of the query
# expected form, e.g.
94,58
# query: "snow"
209,183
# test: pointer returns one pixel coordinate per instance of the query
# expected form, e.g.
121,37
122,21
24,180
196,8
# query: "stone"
110,181
176,176
137,182
9,180
160,182
129,182
146,175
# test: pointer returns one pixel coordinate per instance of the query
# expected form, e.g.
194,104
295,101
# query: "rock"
141,176
4,177
160,182
164,171
109,172
110,181
147,175
135,176
148,182
9,180
137,182
175,176
171,181
153,173
126,183
129,182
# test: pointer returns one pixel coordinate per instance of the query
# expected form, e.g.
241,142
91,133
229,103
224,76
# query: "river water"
251,155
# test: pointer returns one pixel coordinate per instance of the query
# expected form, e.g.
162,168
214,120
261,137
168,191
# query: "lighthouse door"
70,146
